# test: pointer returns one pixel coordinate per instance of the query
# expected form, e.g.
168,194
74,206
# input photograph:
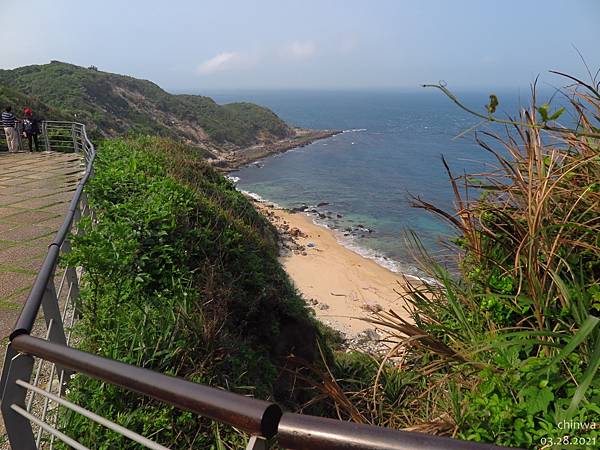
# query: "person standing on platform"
31,129
9,122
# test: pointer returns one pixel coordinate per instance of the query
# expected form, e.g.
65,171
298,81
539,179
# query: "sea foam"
257,198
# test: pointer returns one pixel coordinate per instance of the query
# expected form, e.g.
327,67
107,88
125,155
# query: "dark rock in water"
346,234
348,229
299,208
313,210
322,216
322,204
362,229
339,216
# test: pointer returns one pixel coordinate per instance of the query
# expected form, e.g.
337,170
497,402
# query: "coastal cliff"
113,105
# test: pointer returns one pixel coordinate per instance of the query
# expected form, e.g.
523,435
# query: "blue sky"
265,44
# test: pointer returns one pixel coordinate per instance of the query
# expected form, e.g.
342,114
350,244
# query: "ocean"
390,148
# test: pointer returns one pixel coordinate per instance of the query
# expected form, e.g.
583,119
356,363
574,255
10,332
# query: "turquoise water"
391,147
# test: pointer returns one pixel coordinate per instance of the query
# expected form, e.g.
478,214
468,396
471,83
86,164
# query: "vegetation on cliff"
181,276
113,105
19,101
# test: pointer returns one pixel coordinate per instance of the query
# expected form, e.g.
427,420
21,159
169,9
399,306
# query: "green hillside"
114,104
19,101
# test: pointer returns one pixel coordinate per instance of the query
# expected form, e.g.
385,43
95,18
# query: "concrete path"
35,192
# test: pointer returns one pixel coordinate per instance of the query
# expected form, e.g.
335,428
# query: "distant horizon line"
387,89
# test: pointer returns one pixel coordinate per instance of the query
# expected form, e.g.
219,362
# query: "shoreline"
339,284
302,137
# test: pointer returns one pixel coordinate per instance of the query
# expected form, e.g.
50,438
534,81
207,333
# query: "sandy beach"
341,285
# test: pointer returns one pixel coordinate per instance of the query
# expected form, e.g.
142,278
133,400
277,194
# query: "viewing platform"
35,191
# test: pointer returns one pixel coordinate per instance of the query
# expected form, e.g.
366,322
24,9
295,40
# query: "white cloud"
300,50
219,63
231,61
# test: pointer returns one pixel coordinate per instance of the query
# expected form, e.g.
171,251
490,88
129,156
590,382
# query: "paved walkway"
35,192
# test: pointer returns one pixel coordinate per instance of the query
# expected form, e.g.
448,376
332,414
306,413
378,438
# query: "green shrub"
181,276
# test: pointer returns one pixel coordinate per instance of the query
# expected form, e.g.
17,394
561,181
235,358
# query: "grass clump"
181,276
514,340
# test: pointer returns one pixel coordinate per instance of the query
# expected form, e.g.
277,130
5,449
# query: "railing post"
84,204
8,357
52,314
18,428
257,443
73,137
77,214
19,130
72,280
45,134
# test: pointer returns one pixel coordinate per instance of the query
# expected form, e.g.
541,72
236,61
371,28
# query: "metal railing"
30,410
54,136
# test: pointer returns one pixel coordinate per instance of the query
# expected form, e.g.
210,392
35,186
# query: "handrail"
32,305
260,419
251,415
302,432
